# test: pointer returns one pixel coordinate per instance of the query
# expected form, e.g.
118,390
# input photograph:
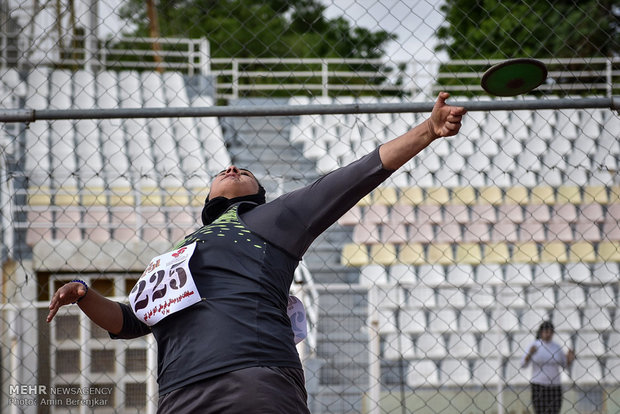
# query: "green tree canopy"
499,29
261,28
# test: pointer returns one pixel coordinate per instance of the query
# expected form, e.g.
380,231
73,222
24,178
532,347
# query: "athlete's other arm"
101,310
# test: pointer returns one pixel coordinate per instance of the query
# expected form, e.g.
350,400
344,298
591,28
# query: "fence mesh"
424,297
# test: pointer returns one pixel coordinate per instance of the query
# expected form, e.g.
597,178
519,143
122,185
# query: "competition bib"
165,287
297,315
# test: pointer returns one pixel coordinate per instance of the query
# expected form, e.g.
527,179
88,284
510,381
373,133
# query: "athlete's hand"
67,294
445,119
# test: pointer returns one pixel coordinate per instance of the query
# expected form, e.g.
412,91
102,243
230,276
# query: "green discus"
514,77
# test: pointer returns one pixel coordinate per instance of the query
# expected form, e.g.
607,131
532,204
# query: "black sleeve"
295,219
132,326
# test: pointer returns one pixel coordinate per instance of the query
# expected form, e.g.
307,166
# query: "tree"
487,29
261,28
503,29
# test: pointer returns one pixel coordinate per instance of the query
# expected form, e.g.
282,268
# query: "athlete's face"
233,182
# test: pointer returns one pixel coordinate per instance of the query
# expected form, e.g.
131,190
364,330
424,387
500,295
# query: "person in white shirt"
546,357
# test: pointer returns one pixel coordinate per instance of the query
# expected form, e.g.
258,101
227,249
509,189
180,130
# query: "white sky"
414,21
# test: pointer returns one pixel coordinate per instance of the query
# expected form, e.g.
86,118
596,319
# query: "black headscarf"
215,207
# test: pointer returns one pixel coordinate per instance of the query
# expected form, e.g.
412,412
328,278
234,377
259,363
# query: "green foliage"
500,29
260,28
504,29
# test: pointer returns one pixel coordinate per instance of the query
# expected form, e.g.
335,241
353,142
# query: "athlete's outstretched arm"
445,120
101,310
312,209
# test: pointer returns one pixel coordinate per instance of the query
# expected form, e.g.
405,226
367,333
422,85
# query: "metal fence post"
151,382
324,78
609,80
235,79
15,355
204,57
374,349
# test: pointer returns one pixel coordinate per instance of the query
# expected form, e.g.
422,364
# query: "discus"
514,77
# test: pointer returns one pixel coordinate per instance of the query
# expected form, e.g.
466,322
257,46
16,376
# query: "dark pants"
260,390
546,399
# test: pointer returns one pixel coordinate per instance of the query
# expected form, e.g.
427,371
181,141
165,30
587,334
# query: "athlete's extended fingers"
64,295
53,312
54,305
54,301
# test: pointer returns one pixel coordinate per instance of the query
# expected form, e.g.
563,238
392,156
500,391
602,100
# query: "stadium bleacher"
531,195
115,178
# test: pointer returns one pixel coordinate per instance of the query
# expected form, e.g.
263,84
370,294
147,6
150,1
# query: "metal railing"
30,115
591,76
233,77
122,53
180,54
238,77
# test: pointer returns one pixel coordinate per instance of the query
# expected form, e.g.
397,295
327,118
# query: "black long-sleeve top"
243,267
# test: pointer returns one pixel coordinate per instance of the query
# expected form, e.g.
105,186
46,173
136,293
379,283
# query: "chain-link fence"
424,297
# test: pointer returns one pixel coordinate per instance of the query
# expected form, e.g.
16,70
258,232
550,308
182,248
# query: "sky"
414,21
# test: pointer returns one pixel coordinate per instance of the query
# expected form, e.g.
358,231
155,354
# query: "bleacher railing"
120,53
591,76
234,77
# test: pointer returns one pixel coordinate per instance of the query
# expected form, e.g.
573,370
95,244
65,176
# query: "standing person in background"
547,357
229,347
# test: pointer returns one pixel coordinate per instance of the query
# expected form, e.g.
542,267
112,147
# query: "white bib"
165,287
